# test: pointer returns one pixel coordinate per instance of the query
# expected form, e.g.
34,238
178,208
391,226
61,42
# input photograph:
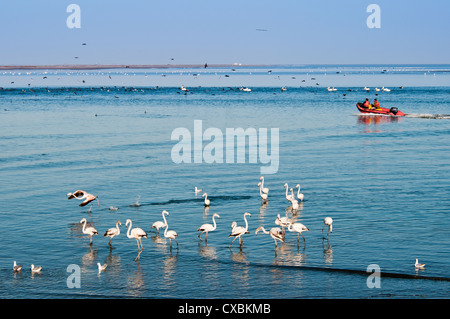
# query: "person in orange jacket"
366,104
376,104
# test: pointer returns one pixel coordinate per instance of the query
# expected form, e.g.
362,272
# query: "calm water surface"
385,182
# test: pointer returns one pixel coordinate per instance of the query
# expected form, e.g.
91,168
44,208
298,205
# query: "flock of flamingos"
277,233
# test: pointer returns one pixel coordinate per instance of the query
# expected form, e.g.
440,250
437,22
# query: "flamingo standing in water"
207,201
300,196
159,224
288,197
91,231
276,233
265,190
205,228
264,196
136,233
88,198
283,222
112,232
328,221
238,231
294,202
299,228
171,234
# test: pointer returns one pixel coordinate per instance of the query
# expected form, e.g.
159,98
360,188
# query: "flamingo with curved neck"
206,228
238,231
265,190
136,233
288,197
264,196
300,196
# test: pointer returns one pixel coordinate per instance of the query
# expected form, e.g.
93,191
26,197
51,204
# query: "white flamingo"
207,201
171,234
294,202
238,231
91,231
159,224
275,232
206,228
283,222
299,228
265,190
88,198
35,270
264,196
288,197
328,221
136,233
300,196
112,232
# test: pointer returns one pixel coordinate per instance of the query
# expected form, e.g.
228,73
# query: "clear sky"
213,31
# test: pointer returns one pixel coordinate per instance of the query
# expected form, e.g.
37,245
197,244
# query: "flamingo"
288,197
205,228
275,232
88,198
159,224
300,196
91,231
207,201
101,267
283,222
263,195
112,232
265,190
238,231
419,266
294,202
196,190
299,228
328,221
136,233
171,234
35,270
16,267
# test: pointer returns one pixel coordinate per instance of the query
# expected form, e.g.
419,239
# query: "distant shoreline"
119,66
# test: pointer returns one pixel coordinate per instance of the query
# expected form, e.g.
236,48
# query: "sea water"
385,182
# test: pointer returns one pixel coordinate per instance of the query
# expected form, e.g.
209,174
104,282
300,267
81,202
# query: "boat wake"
428,116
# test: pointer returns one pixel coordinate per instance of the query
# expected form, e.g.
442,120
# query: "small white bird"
16,267
419,266
101,267
112,232
207,201
35,270
91,231
328,221
206,228
196,190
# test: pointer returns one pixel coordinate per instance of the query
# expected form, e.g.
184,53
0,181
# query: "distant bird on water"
16,267
417,265
35,270
88,198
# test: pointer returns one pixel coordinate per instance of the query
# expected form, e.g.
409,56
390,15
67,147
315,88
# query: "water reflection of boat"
370,119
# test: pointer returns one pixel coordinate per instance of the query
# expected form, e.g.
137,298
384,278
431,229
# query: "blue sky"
199,31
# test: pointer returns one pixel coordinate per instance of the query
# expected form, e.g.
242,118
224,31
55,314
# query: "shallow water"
384,181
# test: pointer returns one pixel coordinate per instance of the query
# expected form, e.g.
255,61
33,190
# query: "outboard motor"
394,110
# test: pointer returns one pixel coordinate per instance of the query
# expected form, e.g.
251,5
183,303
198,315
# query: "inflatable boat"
393,111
